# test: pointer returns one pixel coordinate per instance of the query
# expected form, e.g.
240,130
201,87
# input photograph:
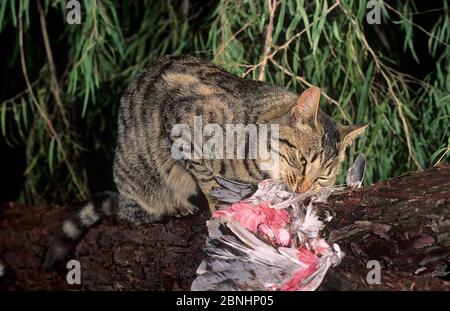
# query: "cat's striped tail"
84,216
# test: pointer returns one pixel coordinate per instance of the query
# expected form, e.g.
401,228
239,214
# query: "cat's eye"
324,181
302,161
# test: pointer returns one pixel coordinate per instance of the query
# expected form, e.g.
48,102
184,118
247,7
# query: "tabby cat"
151,183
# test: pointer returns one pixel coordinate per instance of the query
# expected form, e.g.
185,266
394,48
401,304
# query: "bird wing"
237,260
232,191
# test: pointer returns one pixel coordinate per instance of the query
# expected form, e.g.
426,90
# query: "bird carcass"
268,238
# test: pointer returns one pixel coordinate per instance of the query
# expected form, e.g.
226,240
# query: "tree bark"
403,223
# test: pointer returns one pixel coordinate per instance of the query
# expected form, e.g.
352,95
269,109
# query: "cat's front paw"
188,210
192,209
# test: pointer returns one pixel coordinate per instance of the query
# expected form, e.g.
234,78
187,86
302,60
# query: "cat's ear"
350,132
307,106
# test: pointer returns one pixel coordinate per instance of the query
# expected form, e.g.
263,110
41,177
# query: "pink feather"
270,223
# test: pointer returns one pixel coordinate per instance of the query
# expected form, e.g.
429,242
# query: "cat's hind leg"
131,211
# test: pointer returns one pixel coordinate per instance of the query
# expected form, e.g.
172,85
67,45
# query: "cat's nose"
304,186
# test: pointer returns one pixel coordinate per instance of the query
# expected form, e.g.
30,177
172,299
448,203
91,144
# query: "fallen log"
402,224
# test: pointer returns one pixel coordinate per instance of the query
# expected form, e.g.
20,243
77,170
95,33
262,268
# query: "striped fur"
152,184
83,216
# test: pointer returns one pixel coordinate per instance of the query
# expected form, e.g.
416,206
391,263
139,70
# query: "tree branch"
56,90
42,111
273,4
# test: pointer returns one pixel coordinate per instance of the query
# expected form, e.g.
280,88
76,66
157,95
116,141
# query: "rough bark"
403,222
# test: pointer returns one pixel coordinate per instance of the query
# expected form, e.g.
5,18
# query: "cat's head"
312,145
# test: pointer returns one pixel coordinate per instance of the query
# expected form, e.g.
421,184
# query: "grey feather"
231,191
237,259
355,174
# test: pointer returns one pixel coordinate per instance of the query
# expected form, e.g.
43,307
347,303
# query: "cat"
153,182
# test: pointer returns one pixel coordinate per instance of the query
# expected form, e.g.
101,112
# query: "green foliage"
318,42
